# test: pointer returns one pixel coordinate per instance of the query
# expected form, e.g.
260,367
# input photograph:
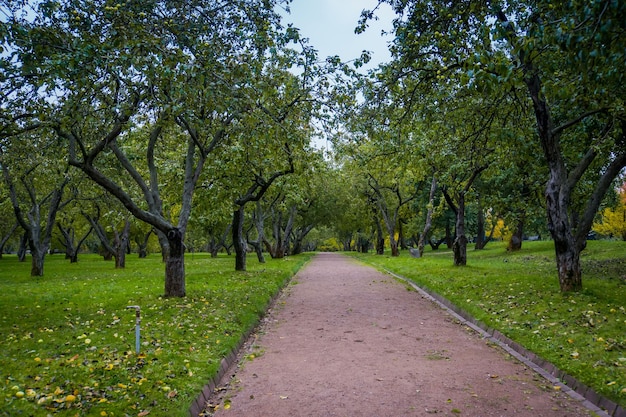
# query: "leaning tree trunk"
6,238
238,240
175,265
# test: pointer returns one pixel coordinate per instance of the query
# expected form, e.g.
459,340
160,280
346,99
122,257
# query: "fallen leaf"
283,397
143,413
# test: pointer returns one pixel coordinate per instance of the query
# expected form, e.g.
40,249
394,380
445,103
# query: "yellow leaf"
226,406
557,388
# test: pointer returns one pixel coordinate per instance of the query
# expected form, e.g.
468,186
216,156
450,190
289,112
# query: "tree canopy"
198,118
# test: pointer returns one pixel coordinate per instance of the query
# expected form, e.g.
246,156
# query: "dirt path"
346,340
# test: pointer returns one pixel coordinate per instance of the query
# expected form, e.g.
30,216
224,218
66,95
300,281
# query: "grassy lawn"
584,334
68,341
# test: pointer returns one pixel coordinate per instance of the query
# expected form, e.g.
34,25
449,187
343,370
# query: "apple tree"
563,61
174,77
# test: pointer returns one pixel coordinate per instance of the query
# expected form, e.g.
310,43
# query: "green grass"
68,341
583,334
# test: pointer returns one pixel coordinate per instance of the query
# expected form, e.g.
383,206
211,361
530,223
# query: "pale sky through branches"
330,24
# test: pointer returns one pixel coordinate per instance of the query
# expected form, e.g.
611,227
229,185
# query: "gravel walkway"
346,340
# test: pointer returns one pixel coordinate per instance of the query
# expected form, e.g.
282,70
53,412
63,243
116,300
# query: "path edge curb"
589,398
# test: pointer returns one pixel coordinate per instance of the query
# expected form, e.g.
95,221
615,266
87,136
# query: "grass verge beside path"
68,341
583,334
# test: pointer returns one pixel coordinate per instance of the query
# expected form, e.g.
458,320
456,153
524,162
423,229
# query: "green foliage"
68,340
582,333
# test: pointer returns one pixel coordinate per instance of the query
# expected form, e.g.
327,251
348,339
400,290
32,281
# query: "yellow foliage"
501,230
613,222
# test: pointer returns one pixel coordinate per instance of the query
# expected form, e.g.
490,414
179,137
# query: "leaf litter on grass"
75,353
583,334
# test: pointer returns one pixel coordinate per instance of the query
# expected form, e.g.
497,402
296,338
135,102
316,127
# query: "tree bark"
298,238
380,237
238,240
515,243
429,218
142,244
71,248
6,238
480,228
38,255
401,239
175,265
121,245
459,246
118,247
21,251
259,223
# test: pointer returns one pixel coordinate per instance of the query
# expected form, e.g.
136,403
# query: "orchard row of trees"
495,101
191,123
166,108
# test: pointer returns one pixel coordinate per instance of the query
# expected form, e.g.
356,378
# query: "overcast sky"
329,25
